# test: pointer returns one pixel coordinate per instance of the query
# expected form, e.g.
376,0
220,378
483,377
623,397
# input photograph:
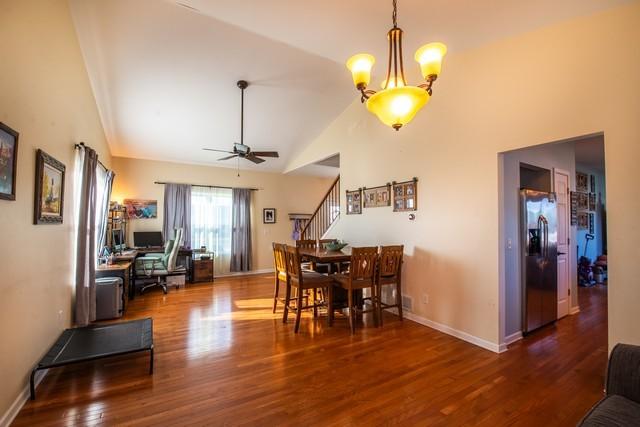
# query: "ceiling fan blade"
251,157
265,153
219,151
228,157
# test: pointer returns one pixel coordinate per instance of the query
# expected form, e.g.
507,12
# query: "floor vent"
407,302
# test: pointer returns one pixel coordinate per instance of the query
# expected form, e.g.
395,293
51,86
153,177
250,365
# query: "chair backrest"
173,255
363,263
280,257
390,261
306,244
294,270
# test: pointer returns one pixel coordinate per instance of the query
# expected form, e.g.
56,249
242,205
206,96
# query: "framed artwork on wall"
377,197
8,162
592,201
583,201
354,202
141,209
405,196
49,190
582,182
593,183
269,216
583,220
574,208
591,223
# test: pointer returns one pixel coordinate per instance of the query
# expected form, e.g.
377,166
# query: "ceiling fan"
242,151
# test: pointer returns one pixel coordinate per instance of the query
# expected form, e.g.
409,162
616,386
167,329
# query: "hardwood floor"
222,358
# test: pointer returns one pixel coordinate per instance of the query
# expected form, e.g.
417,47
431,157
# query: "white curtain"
211,224
104,181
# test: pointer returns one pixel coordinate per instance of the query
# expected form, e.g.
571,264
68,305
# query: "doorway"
553,168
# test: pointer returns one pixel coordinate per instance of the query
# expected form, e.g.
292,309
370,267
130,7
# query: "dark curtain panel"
103,210
85,309
241,230
177,212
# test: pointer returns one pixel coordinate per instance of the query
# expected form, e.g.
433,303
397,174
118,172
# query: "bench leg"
32,384
151,362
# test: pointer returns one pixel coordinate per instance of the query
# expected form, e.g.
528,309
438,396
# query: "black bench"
97,341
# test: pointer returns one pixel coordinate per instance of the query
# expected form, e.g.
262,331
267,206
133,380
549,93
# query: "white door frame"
564,301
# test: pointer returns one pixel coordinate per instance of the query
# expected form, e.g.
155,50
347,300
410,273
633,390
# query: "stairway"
325,215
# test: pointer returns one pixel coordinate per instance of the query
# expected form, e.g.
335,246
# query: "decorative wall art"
405,196
8,162
591,222
582,182
377,196
583,201
583,220
269,216
592,201
593,183
141,209
354,202
574,208
49,190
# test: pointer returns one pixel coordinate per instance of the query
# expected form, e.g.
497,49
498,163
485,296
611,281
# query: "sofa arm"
623,372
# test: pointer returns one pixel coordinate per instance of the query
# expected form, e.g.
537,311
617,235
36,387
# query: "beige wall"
575,78
45,95
287,193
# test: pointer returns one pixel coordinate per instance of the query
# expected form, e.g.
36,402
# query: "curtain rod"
83,145
209,186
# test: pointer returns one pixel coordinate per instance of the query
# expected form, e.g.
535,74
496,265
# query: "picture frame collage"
404,195
584,202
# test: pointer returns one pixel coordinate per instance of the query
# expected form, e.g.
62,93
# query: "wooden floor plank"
222,358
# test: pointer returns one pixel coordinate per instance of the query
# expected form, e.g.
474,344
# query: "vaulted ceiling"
164,72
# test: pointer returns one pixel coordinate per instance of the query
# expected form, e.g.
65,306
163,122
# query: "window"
211,224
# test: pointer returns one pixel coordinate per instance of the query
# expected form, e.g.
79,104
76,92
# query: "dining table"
326,256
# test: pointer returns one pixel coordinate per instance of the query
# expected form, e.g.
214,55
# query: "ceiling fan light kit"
397,103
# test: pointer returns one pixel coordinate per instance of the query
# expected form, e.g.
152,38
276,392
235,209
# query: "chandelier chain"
395,14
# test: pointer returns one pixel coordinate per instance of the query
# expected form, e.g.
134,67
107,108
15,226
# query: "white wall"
548,156
44,95
578,77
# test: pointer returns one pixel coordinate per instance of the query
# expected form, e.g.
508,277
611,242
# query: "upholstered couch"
621,403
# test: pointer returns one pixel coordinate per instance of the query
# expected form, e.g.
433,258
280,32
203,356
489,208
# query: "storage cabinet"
203,270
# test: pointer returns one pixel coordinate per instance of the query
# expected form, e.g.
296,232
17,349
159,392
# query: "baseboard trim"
487,345
574,310
510,339
22,398
246,273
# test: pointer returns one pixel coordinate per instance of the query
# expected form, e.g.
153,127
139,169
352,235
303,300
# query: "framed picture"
269,216
582,182
141,209
377,197
405,196
591,223
583,201
592,201
8,162
49,192
574,208
354,202
583,220
593,183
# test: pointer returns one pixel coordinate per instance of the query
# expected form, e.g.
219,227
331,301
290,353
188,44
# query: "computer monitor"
146,239
117,240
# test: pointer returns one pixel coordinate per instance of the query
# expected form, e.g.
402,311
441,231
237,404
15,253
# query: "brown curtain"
241,230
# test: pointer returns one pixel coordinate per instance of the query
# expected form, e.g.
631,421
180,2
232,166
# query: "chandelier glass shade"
397,103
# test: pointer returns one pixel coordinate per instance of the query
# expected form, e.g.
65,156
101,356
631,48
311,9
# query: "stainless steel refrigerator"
539,266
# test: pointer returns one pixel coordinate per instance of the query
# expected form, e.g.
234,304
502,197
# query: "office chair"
159,266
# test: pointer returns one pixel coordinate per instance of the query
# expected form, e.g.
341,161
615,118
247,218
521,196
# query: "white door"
561,187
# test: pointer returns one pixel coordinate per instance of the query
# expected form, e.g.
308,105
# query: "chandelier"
397,103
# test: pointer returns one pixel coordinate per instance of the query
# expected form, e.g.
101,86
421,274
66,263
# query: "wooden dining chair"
307,244
280,266
389,273
361,275
302,280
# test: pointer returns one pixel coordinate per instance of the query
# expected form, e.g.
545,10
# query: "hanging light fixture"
397,103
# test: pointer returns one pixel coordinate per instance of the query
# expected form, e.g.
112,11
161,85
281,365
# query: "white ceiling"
164,75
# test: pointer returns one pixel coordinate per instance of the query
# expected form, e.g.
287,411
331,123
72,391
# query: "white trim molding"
510,339
574,310
487,345
245,273
22,398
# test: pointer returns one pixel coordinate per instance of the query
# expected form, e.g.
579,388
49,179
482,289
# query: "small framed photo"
593,183
583,201
8,162
354,202
404,196
269,216
583,220
592,201
49,191
582,182
377,197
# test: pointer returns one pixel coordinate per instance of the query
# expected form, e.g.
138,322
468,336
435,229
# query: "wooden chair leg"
375,296
399,298
352,325
287,298
298,311
314,292
330,305
275,293
379,304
